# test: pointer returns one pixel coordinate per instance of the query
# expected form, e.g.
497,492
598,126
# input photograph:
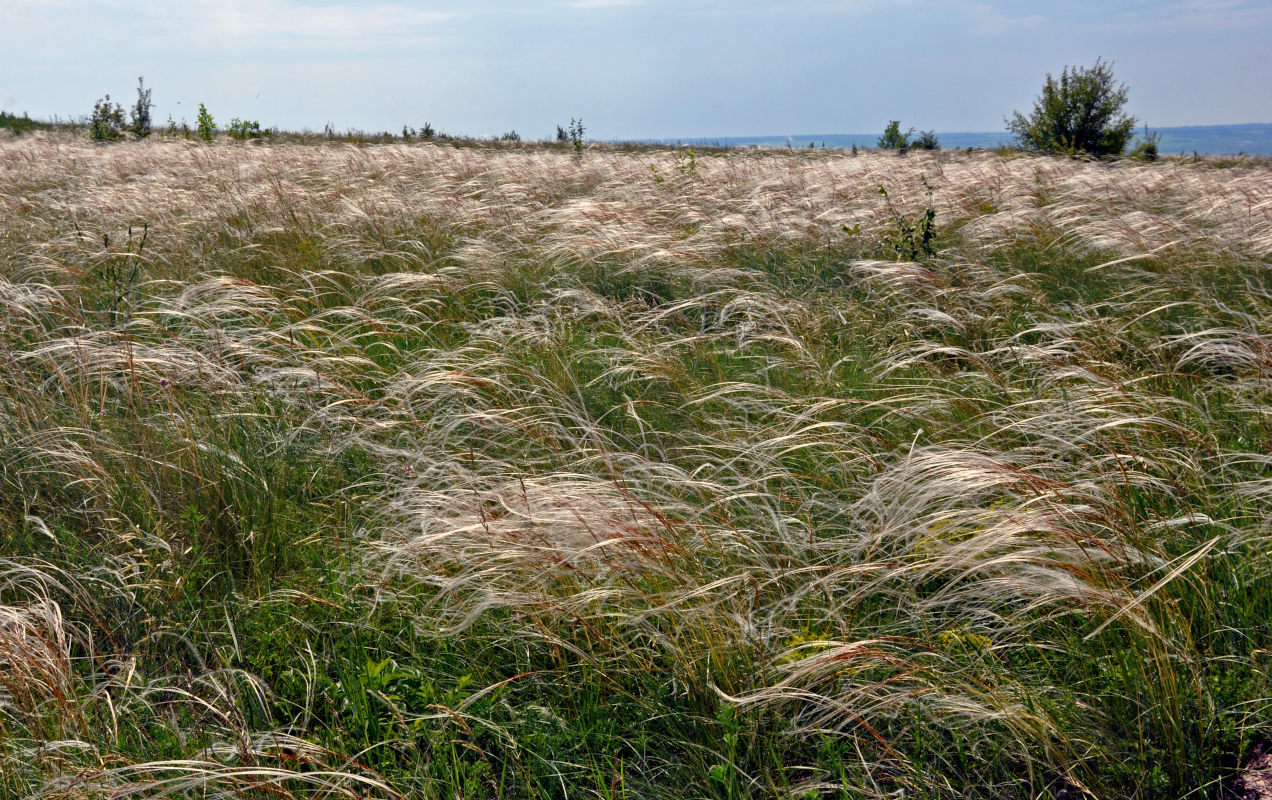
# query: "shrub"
562,136
576,134
1079,113
893,138
243,129
510,136
205,124
18,125
927,141
1146,148
107,122
139,121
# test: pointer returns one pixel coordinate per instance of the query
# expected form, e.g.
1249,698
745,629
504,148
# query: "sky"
631,69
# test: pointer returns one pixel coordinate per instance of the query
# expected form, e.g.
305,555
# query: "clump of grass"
336,470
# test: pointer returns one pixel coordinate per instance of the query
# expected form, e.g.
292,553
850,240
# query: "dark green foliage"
927,141
562,137
244,129
1146,148
510,136
908,241
428,131
893,138
19,125
205,124
1079,113
576,134
139,119
107,122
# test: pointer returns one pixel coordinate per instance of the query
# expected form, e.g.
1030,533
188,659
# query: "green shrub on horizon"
106,124
205,125
19,124
1082,112
139,121
244,129
892,137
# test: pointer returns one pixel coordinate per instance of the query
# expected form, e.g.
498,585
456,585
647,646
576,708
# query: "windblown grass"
414,471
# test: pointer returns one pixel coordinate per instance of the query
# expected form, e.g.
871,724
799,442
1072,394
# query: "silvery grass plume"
964,525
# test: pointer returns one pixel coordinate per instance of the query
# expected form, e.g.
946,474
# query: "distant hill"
1252,139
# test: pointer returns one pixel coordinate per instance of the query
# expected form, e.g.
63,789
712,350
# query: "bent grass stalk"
559,477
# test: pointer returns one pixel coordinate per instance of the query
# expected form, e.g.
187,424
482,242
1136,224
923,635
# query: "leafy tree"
1079,113
893,138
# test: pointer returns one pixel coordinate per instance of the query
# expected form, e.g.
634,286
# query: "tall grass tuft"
417,471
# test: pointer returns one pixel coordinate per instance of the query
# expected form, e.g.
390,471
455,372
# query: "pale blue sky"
632,68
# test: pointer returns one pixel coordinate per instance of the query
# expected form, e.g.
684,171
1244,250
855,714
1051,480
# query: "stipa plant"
352,485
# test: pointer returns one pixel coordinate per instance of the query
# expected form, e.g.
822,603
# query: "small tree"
140,117
893,138
107,122
576,134
205,124
1080,113
927,141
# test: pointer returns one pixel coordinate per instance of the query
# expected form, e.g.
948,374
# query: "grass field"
395,471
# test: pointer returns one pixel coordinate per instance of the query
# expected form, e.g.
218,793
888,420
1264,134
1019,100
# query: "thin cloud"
601,3
1214,15
237,25
990,22
287,19
246,23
